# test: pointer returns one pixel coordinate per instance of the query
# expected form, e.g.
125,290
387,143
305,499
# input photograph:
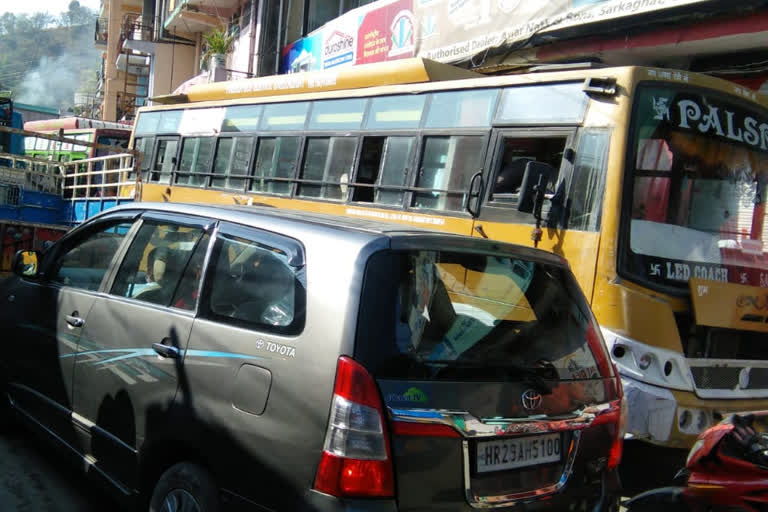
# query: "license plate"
517,452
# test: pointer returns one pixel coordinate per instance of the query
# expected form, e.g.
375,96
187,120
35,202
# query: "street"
30,481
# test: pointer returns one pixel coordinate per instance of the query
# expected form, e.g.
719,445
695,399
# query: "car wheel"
185,487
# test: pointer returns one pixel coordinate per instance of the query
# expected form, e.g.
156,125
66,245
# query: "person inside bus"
510,176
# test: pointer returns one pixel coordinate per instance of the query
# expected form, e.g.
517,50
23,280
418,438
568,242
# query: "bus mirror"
569,155
536,178
25,263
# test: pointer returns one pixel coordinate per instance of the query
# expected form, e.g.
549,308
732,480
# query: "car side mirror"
534,185
26,263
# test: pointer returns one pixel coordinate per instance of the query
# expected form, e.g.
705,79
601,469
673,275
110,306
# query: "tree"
76,14
40,20
7,23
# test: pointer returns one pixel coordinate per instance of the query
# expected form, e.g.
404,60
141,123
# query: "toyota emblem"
531,400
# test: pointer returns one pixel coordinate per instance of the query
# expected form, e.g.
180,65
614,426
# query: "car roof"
251,215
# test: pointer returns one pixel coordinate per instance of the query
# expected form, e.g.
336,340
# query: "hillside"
45,60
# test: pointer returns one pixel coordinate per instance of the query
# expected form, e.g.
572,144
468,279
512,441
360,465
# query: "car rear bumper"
319,502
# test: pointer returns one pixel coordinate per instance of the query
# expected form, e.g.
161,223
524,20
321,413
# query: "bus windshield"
699,171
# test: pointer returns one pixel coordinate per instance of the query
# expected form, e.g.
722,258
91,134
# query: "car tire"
185,487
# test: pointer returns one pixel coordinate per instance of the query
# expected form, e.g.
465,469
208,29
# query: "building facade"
155,47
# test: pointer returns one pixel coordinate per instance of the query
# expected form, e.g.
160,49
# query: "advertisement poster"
387,33
303,55
450,30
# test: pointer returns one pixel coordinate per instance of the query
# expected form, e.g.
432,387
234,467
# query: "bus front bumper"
675,418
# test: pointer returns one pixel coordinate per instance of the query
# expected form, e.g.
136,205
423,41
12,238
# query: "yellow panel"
166,193
729,305
578,247
637,314
404,71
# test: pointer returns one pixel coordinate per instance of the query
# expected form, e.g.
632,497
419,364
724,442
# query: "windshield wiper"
527,375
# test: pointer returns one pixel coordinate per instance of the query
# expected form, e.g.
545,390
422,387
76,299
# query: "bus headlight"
651,365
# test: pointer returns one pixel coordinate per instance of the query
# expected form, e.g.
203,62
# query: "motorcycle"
726,470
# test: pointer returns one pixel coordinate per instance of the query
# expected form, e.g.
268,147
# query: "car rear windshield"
438,315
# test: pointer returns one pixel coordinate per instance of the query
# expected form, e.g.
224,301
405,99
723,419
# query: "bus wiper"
527,375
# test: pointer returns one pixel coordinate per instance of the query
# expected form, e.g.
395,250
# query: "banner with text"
449,30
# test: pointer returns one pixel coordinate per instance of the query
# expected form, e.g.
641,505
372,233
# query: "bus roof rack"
403,71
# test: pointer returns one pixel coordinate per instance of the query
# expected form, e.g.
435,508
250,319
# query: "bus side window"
231,160
196,154
447,166
383,170
328,164
516,152
165,160
275,165
588,183
144,146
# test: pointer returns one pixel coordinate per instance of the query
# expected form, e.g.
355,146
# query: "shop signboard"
450,30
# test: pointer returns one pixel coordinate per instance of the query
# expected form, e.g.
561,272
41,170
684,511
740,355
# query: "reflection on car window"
84,264
475,317
254,285
155,261
187,291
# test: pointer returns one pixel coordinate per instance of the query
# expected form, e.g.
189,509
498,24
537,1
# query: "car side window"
153,266
84,263
253,285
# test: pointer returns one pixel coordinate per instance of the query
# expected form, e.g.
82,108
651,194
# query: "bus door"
498,215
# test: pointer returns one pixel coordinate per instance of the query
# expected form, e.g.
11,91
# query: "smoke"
56,79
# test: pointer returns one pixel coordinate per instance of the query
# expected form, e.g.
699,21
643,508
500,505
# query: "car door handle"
166,350
75,321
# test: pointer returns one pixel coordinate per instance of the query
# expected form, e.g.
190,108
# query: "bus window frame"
415,134
496,211
298,163
211,175
297,181
177,172
412,189
153,161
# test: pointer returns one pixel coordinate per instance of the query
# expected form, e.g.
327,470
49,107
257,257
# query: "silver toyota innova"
197,358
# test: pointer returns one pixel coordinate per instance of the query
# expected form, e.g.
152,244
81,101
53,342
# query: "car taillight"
616,414
617,448
356,459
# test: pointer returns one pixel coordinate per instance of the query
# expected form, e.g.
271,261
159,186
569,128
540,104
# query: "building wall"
174,64
114,79
241,49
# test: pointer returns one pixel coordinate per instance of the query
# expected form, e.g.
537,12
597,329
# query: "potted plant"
218,44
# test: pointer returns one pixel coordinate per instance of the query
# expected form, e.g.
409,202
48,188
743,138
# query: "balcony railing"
137,27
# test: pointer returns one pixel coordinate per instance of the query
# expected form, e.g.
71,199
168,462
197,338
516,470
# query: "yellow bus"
650,182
